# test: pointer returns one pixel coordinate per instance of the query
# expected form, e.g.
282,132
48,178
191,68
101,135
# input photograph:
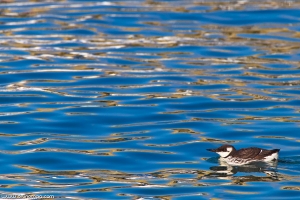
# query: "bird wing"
248,153
264,153
255,153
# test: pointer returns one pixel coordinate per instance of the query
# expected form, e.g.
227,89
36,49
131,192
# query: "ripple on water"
120,99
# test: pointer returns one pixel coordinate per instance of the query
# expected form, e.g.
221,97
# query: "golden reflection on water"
96,177
78,76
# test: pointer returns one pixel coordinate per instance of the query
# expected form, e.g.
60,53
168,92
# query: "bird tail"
276,150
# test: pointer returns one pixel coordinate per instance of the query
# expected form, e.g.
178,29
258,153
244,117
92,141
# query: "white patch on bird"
224,154
271,157
229,149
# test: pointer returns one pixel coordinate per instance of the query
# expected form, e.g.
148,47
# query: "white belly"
271,157
239,161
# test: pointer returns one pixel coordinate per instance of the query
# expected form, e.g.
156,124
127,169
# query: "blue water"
121,99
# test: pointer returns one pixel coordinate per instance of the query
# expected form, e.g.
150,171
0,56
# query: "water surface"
121,99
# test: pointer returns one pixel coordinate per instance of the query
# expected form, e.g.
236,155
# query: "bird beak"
212,150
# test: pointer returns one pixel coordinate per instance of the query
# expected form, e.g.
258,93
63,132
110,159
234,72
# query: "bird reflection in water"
225,170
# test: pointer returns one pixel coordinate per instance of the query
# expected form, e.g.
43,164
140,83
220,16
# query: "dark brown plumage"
252,153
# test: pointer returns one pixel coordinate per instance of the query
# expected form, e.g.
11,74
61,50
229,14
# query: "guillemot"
247,155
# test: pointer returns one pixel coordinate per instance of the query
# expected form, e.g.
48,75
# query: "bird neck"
231,153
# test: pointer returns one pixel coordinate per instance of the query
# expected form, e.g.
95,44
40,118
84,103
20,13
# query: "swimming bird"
247,155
